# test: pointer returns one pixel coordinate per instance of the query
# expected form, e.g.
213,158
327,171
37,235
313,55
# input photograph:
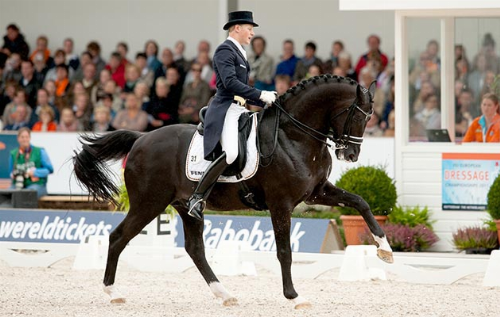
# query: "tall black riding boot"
197,201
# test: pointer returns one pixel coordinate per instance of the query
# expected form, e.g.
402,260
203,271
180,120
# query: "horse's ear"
372,88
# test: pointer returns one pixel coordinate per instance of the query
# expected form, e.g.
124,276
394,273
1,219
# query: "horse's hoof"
305,305
385,256
117,301
301,303
232,301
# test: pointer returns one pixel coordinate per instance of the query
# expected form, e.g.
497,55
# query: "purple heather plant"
403,238
475,237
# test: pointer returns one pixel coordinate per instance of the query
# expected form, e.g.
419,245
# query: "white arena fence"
235,246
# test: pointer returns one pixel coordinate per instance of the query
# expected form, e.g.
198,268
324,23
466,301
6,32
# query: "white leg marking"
300,302
116,297
382,243
220,292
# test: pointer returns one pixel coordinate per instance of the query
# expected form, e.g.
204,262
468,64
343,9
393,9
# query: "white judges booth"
451,178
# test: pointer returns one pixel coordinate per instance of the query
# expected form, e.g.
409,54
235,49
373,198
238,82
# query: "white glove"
268,96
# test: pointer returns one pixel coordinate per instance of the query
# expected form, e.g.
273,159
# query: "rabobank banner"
467,178
18,225
306,235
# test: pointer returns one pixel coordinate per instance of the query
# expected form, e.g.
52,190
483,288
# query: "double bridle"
341,143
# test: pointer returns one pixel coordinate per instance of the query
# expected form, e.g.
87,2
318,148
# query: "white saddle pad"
196,165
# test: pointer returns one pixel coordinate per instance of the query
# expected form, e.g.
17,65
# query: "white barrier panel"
492,276
227,260
355,266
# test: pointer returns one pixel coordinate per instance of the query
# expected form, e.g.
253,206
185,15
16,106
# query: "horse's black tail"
90,165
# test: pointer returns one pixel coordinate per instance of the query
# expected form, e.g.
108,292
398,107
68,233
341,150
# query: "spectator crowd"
63,91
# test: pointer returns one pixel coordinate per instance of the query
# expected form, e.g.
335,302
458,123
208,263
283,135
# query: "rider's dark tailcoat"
232,72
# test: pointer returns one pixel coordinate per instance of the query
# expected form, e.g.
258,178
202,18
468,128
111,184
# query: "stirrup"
195,211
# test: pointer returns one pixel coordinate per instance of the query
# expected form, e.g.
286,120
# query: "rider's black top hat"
239,17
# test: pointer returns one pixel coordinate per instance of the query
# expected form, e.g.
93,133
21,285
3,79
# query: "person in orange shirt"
46,123
486,128
42,43
62,82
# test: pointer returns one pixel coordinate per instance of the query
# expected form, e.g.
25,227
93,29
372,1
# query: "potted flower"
475,240
494,203
376,188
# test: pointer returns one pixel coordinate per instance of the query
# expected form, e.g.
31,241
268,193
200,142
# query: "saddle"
244,129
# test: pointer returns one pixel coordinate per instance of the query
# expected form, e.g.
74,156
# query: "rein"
340,143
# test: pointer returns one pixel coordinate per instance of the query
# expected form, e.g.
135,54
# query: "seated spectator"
366,76
9,114
50,86
207,72
488,82
141,90
426,91
117,69
12,71
122,49
8,95
333,60
489,51
72,59
338,71
29,165
68,122
42,101
167,61
203,48
390,131
42,43
261,74
465,108
461,70
345,64
98,90
288,60
62,81
14,43
486,128
107,102
85,59
46,123
431,69
83,111
20,118
89,78
41,69
475,79
194,97
312,71
282,83
306,61
132,117
430,116
75,89
111,88
372,127
373,42
179,58
161,110
95,52
151,51
147,75
132,76
102,120
29,83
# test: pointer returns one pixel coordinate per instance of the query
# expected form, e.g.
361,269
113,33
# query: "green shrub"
124,205
371,183
494,199
411,216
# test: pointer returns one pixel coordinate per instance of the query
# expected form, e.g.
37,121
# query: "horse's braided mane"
306,84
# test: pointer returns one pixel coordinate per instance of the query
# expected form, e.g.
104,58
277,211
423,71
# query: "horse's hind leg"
193,236
329,195
281,224
136,219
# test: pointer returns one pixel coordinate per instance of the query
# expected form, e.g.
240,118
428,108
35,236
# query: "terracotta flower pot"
354,226
498,228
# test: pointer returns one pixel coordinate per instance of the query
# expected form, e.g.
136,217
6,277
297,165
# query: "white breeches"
229,137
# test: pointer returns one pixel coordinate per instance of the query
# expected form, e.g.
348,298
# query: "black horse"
295,165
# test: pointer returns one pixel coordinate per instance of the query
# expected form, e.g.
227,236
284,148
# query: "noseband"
341,143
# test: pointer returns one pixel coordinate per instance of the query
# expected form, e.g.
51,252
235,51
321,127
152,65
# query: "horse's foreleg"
193,236
329,195
281,225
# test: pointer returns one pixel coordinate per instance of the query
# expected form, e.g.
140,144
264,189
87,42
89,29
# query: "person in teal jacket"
29,165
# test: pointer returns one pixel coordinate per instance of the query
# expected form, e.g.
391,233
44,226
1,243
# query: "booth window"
477,67
424,68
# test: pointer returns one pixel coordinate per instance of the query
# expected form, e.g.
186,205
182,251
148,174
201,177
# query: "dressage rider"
221,120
